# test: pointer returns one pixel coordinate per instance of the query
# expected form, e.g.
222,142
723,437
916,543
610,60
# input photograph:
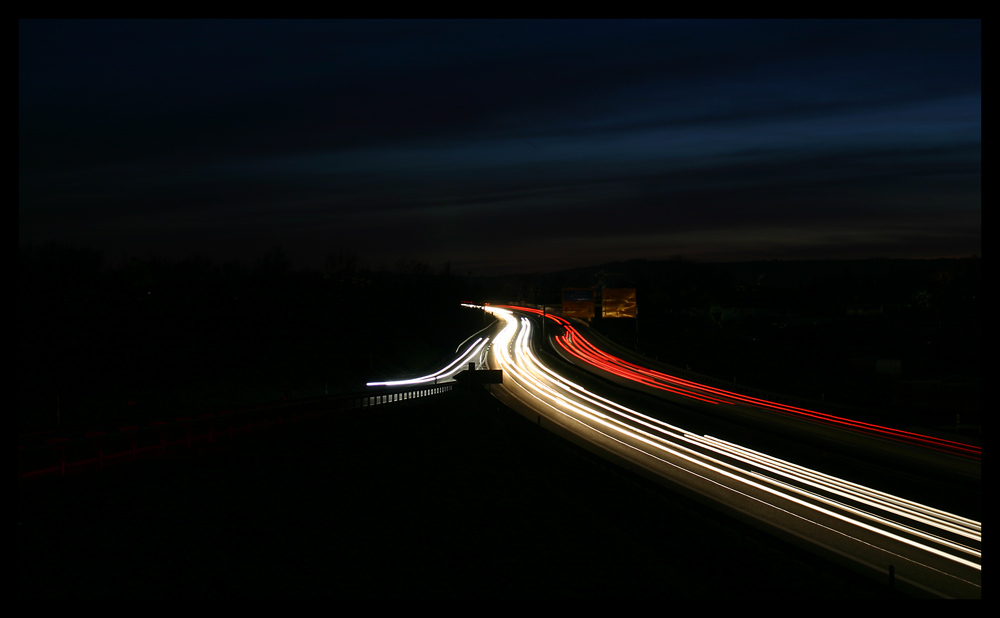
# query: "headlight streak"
448,373
935,517
459,346
870,516
575,344
529,372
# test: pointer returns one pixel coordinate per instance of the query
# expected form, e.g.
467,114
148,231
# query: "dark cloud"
525,143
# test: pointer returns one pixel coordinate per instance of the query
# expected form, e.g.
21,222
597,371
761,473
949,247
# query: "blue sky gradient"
502,146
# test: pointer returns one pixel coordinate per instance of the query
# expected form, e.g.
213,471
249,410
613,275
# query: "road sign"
618,303
578,302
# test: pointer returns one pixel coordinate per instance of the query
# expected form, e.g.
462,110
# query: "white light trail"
741,470
448,373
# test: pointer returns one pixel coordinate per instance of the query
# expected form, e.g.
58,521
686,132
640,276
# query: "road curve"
925,550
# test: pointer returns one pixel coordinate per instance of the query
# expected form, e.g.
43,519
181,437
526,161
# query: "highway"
573,345
581,394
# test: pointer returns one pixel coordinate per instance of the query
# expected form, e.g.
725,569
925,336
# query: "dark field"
152,339
451,498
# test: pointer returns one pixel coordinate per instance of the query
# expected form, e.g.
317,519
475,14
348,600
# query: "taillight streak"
574,343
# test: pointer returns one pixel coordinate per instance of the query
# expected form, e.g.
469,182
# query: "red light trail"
575,344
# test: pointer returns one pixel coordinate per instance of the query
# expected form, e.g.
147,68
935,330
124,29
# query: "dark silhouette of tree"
274,263
341,266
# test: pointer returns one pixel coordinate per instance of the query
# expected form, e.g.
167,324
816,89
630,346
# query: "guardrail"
70,451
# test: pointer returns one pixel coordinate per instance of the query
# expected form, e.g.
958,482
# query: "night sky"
501,146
